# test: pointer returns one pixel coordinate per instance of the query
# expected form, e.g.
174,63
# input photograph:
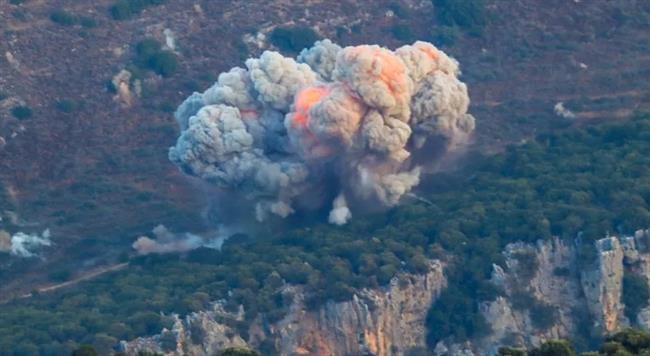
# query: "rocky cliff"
386,321
548,290
551,290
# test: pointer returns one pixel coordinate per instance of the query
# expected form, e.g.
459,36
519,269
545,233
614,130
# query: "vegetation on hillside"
292,40
126,9
469,15
628,342
581,183
149,55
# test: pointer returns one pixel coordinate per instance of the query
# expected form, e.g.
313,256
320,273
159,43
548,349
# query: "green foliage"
402,32
527,264
66,106
628,342
400,10
445,35
60,275
63,17
635,294
553,348
467,14
126,9
527,193
456,313
150,55
87,22
543,315
238,351
85,350
511,351
293,39
22,112
562,272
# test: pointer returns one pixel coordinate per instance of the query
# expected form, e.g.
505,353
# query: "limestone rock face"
385,321
583,296
548,290
603,285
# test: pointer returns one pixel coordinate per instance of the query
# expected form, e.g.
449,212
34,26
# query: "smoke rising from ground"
165,241
25,245
335,126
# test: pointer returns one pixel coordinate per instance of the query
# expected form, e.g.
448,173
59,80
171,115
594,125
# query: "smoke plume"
335,126
21,244
166,241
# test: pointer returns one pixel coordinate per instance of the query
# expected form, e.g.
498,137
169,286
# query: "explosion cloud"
166,241
335,126
23,245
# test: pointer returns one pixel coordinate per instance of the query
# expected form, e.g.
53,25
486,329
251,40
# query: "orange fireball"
304,101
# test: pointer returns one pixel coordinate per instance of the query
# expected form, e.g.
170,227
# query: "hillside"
83,152
578,185
75,165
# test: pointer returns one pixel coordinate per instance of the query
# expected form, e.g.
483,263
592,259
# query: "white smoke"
284,131
24,245
562,111
340,213
165,241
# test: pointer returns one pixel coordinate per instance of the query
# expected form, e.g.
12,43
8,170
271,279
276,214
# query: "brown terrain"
98,176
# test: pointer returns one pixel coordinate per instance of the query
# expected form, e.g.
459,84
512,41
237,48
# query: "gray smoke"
22,244
283,132
165,241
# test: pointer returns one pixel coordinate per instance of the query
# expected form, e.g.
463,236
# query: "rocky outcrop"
603,285
582,295
536,279
548,290
385,321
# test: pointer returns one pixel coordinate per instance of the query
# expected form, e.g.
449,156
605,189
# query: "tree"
85,350
511,351
553,348
635,294
238,351
467,14
293,39
21,112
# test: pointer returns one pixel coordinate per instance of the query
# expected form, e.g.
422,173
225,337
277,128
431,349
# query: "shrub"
527,264
22,112
293,39
65,105
85,350
510,351
543,315
63,17
553,348
238,351
401,11
632,340
635,295
59,275
164,63
445,35
402,32
125,9
88,22
562,271
150,55
467,14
